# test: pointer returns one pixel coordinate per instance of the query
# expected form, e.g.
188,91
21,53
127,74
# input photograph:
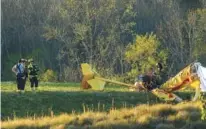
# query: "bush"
144,53
48,76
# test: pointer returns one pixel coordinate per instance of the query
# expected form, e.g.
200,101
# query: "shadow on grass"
43,103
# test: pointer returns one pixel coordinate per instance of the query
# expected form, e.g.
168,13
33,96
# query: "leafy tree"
92,31
196,26
60,35
144,53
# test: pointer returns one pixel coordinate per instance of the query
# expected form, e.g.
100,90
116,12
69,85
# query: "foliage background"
60,35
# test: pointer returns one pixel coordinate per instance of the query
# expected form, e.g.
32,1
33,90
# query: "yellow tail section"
86,69
87,75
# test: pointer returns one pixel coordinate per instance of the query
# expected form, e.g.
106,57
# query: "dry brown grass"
159,116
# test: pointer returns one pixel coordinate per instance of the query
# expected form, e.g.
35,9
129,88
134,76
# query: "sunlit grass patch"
38,122
157,116
43,86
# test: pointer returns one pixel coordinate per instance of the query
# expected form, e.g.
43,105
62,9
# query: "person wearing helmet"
159,75
33,73
159,66
19,70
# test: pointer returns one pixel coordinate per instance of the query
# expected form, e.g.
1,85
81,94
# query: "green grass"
66,97
66,105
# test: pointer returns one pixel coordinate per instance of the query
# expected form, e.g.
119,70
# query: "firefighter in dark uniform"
19,70
33,74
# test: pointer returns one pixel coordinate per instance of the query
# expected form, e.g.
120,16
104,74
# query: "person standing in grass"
33,74
159,75
19,69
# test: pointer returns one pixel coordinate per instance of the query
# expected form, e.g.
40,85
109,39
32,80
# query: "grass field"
65,105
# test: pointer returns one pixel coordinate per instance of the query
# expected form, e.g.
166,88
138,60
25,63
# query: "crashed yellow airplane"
192,76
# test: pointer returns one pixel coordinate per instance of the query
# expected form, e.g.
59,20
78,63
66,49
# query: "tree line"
116,37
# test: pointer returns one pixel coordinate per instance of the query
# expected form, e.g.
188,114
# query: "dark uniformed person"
148,81
33,73
19,70
160,74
